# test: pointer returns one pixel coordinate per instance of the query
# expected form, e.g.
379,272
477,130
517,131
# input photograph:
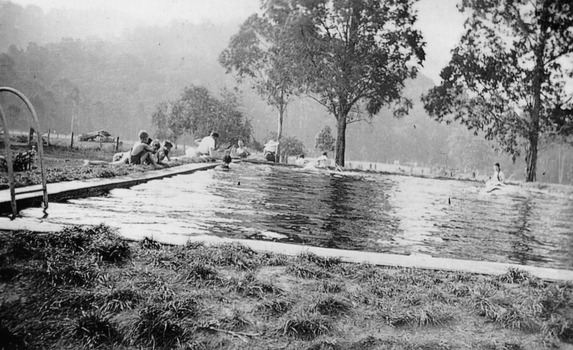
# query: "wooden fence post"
48,137
72,142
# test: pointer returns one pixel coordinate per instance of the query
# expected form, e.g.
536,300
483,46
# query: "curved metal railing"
9,155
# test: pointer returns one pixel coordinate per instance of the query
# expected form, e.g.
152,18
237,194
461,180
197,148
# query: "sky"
439,20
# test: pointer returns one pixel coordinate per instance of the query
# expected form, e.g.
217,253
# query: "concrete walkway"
76,189
32,196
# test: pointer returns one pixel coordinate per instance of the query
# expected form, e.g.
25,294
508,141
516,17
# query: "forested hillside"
112,74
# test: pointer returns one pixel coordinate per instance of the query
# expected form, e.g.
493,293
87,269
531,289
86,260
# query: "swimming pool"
368,212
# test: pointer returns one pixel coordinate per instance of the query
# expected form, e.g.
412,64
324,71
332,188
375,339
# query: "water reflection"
367,212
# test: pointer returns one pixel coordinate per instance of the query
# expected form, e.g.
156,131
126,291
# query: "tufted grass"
85,288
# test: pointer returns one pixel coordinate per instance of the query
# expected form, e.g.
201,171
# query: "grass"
84,288
65,164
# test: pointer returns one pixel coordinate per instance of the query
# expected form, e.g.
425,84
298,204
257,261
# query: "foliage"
166,122
262,53
355,55
290,145
324,141
506,76
200,113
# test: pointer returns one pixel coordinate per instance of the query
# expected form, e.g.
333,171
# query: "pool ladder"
43,188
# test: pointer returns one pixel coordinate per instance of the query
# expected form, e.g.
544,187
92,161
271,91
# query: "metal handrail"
9,155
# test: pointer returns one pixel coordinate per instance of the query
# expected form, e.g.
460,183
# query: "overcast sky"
439,20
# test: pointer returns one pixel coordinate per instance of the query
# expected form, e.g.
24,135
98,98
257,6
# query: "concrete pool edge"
31,196
420,261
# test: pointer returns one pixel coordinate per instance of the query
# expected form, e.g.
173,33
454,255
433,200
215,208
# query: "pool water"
368,212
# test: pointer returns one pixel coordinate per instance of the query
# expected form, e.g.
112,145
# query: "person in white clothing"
323,161
498,175
208,145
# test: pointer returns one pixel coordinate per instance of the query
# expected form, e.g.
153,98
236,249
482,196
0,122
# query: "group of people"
145,151
321,162
153,152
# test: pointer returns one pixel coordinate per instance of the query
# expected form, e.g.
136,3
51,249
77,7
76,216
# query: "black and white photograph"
286,174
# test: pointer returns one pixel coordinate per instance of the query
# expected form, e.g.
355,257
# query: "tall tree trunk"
533,135
340,137
279,133
531,159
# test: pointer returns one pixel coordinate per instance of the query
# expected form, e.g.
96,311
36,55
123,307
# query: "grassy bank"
86,288
65,164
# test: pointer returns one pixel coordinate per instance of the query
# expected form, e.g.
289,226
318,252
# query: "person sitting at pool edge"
323,161
240,151
163,152
139,153
207,145
300,160
498,175
270,150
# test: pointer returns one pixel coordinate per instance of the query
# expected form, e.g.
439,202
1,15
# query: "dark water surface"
380,213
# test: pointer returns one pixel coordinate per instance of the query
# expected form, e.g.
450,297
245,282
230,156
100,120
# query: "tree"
324,141
166,122
355,56
291,144
262,53
200,113
506,76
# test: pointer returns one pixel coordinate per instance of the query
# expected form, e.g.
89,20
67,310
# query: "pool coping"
31,196
420,261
